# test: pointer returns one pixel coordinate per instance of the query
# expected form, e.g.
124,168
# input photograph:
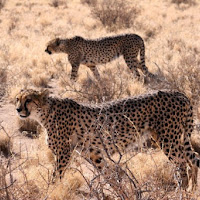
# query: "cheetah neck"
43,112
64,45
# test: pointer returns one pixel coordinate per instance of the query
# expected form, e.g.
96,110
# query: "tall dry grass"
171,34
115,15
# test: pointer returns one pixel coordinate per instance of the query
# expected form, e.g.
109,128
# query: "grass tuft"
115,15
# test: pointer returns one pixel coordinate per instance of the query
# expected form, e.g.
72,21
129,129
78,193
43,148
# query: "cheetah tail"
142,54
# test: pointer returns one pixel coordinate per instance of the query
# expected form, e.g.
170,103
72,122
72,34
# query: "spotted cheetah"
101,51
93,130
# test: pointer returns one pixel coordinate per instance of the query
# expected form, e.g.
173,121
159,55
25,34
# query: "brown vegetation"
171,36
5,143
29,127
189,2
115,15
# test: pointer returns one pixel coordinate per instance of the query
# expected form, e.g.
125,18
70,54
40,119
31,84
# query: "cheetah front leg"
74,73
75,63
94,69
61,161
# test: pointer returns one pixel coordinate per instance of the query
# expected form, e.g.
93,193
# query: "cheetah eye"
28,100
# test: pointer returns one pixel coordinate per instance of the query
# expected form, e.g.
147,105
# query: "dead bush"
3,75
188,2
183,77
5,146
57,3
103,90
3,81
195,141
134,175
29,127
13,24
115,15
40,81
150,34
89,2
2,3
186,77
113,84
6,143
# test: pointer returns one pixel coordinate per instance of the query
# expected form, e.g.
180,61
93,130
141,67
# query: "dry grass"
115,15
3,81
6,143
26,27
183,76
29,128
40,81
57,3
90,2
3,75
2,3
195,141
103,90
189,2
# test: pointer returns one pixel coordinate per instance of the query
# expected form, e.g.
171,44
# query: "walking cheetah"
94,130
101,51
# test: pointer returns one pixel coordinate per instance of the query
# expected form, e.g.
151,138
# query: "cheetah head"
53,46
29,101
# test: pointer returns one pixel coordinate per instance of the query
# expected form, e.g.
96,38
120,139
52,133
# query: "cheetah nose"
19,109
47,51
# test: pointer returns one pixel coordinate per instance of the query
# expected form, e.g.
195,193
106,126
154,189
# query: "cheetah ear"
57,41
44,93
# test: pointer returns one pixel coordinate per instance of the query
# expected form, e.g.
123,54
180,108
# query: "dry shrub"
183,76
89,2
103,90
186,77
155,174
40,81
115,15
2,3
5,146
195,141
12,25
57,3
6,143
113,84
189,2
3,75
151,33
69,188
3,81
12,188
29,127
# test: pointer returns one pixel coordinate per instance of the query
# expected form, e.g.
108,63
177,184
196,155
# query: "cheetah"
99,130
101,51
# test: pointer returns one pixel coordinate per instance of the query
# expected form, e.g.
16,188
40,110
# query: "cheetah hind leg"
178,159
132,64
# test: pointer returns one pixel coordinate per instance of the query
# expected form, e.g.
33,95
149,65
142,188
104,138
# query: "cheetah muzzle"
47,51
